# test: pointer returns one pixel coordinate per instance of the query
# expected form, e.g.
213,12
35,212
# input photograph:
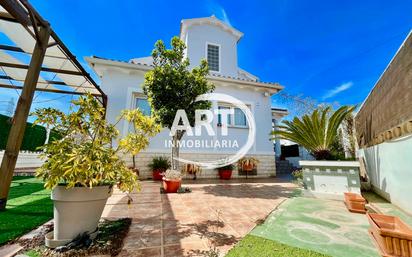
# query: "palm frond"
316,131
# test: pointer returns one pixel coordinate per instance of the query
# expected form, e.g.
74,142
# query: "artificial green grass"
28,207
260,247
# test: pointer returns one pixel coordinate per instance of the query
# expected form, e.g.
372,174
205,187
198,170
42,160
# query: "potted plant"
158,166
225,172
82,167
247,165
191,169
172,180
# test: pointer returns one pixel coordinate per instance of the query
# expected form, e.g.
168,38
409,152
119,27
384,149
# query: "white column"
278,148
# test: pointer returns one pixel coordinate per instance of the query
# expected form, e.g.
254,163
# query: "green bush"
297,174
159,163
34,136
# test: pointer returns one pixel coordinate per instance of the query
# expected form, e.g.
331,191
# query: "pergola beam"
21,114
17,12
46,82
50,90
25,67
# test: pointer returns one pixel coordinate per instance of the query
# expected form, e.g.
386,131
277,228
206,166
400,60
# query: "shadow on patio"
213,217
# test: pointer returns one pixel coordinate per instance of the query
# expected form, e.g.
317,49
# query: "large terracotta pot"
171,186
157,174
355,202
392,236
225,174
76,210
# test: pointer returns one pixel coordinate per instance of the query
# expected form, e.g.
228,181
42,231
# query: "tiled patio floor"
216,214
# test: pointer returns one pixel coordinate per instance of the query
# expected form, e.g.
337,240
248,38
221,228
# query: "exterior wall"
196,38
265,168
120,86
389,169
384,129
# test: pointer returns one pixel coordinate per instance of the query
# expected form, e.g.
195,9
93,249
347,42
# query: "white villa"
212,39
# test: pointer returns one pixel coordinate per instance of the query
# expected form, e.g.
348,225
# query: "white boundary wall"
26,159
389,167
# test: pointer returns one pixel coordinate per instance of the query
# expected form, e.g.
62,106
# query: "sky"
330,51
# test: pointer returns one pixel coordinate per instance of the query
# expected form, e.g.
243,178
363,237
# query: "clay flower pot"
391,235
171,186
157,174
247,167
225,174
355,203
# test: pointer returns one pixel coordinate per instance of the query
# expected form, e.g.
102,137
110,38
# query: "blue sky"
331,51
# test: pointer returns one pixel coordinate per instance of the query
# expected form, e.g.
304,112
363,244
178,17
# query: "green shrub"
159,163
297,174
34,136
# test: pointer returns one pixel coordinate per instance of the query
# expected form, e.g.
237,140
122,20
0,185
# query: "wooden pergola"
35,60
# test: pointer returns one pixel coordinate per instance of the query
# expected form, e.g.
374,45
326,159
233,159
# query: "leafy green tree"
316,132
171,86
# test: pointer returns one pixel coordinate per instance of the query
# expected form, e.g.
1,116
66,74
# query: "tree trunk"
175,149
47,135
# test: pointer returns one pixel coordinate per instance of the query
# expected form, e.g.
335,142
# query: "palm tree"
315,132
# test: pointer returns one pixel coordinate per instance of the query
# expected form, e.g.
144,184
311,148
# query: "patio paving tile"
143,239
185,249
216,214
145,252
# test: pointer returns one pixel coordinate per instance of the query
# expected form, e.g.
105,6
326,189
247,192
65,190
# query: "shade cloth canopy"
61,72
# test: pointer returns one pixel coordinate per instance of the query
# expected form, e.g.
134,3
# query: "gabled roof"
93,60
212,20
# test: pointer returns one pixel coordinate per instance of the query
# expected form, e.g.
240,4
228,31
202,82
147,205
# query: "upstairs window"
213,55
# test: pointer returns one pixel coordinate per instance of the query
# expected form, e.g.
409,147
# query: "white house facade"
210,39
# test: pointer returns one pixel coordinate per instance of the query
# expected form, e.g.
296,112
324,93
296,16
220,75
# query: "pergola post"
20,116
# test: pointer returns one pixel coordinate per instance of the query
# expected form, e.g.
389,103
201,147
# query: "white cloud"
224,16
337,90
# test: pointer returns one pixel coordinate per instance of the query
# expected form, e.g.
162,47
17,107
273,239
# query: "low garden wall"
27,162
331,178
265,168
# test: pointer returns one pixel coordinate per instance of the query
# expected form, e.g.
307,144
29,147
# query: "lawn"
260,247
29,206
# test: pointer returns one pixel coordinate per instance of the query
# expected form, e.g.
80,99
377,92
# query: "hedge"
34,136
